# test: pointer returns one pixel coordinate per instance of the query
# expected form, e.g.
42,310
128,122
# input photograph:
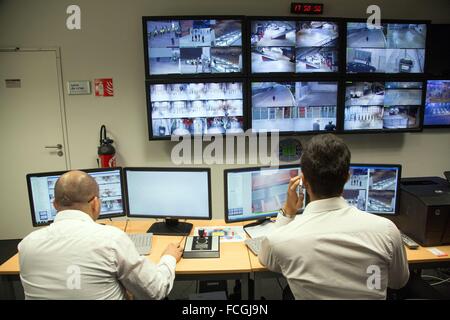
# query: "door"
31,119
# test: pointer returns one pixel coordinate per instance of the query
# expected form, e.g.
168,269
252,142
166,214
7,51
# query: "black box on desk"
425,210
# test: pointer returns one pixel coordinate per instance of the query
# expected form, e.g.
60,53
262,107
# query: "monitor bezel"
151,137
384,74
384,80
397,191
299,75
433,126
167,169
338,82
59,173
249,169
176,76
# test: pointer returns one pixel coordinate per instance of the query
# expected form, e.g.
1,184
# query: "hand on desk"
294,200
174,250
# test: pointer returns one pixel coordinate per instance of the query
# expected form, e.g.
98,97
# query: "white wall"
110,44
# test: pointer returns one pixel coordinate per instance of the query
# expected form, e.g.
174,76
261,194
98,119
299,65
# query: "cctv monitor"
372,106
170,194
41,192
195,108
294,107
438,63
437,104
374,188
294,46
394,48
193,46
257,193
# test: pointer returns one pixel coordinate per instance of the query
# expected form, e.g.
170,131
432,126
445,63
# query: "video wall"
296,75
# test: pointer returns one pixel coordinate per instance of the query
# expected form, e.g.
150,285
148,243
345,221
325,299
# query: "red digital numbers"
306,8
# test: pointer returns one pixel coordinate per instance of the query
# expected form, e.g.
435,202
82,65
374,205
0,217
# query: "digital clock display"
306,8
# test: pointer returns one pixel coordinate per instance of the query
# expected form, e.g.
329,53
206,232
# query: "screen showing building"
437,103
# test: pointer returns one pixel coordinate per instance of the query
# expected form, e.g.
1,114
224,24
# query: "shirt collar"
326,205
73,215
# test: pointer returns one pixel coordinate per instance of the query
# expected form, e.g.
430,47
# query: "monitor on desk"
41,192
256,193
374,188
170,194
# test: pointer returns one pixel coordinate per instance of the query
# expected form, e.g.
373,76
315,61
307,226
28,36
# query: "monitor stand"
171,227
257,223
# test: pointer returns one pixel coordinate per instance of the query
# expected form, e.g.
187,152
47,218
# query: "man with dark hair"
332,250
76,258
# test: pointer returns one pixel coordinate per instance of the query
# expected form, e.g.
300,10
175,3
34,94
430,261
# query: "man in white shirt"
76,258
332,250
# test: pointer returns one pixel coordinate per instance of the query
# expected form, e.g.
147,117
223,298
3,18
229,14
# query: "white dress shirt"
76,258
335,251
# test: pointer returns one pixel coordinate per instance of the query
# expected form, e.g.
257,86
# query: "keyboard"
254,244
142,241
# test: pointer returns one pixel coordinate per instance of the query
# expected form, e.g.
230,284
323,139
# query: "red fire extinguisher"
106,151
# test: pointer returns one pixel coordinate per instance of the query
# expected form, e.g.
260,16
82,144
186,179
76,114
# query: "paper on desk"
226,234
260,230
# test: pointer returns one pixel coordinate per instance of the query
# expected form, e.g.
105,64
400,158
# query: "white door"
31,118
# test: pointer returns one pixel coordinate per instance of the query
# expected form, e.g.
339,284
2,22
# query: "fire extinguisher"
106,151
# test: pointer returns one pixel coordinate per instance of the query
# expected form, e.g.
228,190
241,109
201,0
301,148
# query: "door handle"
58,146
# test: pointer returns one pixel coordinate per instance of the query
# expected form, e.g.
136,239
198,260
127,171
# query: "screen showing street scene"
294,106
437,103
255,194
372,189
389,48
290,46
382,105
196,108
194,46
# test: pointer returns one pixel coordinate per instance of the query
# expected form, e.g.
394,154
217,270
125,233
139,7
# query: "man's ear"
56,206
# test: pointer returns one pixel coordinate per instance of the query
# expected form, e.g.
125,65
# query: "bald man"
76,258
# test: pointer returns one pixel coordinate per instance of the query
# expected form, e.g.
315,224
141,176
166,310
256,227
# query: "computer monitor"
437,103
41,192
256,193
195,108
397,47
292,107
383,106
294,46
374,188
192,46
170,194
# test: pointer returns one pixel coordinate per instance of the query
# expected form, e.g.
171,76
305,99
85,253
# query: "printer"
425,210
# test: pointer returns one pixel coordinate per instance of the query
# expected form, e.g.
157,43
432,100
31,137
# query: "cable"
440,282
126,226
433,277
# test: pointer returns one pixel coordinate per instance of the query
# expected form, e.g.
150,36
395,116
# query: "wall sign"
104,87
306,8
79,87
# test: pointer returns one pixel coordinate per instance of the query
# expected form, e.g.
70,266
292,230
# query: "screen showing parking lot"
372,188
382,105
437,103
294,106
294,46
194,46
391,48
196,108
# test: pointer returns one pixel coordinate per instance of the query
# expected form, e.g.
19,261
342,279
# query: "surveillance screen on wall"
196,108
294,106
437,103
382,105
389,48
294,47
194,46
